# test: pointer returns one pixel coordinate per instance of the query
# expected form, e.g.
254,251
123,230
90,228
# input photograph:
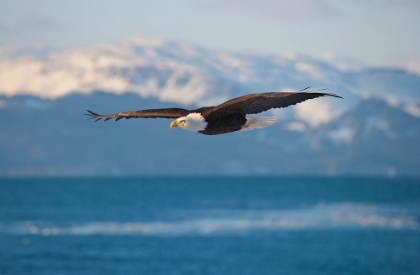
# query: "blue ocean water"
210,225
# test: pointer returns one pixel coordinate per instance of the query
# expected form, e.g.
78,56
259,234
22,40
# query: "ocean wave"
222,221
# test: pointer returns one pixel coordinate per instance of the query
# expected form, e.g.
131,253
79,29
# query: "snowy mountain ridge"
187,74
374,130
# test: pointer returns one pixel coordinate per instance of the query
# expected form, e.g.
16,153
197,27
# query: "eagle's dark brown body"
223,125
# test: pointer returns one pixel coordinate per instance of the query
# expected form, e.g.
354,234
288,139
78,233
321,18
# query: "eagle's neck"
195,122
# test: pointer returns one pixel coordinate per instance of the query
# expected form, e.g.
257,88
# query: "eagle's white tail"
259,122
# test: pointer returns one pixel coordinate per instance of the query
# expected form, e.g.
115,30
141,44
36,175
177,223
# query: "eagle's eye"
182,122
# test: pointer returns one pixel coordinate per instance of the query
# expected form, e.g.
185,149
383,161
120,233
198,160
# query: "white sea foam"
218,222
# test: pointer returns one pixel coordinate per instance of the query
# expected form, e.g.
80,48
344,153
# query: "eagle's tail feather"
259,122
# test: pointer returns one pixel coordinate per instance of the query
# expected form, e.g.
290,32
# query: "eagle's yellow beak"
174,124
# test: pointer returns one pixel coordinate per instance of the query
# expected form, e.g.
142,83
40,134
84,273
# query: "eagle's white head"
192,122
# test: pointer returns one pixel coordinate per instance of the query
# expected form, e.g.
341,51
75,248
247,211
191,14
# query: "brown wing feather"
151,113
257,103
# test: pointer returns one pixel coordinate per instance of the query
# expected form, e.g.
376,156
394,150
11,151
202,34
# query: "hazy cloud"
298,9
29,23
273,9
411,4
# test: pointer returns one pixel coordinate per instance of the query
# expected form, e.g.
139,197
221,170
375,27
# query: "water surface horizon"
210,225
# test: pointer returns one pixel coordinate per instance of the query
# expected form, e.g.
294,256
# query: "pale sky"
375,32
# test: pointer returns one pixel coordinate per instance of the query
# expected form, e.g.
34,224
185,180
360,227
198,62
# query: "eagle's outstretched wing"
151,113
257,103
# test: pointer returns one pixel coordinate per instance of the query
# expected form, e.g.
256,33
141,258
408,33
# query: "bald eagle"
227,117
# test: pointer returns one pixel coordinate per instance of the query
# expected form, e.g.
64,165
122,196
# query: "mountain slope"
188,74
45,137
43,94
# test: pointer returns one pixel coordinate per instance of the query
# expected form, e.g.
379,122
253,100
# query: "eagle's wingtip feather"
334,95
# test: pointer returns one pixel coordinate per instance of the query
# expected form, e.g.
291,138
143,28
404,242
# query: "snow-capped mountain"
188,74
381,106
